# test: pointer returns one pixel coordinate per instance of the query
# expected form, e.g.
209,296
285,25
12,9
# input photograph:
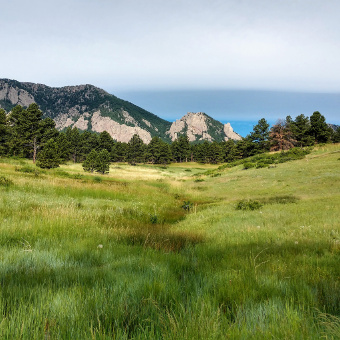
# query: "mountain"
90,108
199,127
334,127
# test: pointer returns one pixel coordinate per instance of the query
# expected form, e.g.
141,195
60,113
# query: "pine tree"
31,129
136,150
15,140
184,147
336,136
259,137
119,152
158,152
103,162
106,141
73,137
48,157
63,147
214,153
319,129
300,128
228,150
91,162
201,152
3,132
88,141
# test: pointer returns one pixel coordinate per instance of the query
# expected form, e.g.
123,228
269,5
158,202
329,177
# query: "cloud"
292,44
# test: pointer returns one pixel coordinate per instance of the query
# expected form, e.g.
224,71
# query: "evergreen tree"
48,157
47,131
300,128
73,138
336,136
228,150
158,152
244,148
103,162
3,132
63,147
88,141
30,129
201,152
180,149
15,140
119,152
165,155
215,153
106,141
259,137
136,150
91,162
319,129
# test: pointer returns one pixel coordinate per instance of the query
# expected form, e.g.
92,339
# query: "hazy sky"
176,44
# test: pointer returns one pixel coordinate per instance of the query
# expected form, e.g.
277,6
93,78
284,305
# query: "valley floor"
148,252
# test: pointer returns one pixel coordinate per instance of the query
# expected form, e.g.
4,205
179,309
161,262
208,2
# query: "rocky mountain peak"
199,126
88,107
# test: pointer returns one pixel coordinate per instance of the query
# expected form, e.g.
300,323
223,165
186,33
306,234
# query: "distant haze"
241,108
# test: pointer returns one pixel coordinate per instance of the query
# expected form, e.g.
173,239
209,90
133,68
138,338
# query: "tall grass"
121,258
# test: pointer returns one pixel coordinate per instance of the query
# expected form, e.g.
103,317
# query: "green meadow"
150,252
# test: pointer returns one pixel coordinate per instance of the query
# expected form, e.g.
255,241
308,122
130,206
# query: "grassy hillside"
161,253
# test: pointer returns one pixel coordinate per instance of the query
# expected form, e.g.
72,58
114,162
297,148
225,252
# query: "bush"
261,165
78,176
25,169
248,165
5,182
248,205
30,170
187,205
153,219
216,174
97,179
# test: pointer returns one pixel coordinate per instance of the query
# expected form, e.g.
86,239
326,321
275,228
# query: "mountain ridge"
88,107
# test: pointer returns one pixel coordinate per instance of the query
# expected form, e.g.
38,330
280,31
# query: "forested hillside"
25,133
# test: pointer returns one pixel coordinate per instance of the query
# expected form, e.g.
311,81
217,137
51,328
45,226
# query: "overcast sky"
177,44
180,46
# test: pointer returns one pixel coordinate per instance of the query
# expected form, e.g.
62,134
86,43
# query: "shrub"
153,219
248,205
62,173
187,205
5,182
25,169
97,179
248,165
261,165
30,170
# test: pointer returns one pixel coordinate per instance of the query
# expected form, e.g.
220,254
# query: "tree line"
25,133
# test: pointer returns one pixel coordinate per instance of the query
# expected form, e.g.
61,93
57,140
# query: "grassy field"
149,252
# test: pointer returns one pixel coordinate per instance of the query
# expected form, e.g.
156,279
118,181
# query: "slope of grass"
116,256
